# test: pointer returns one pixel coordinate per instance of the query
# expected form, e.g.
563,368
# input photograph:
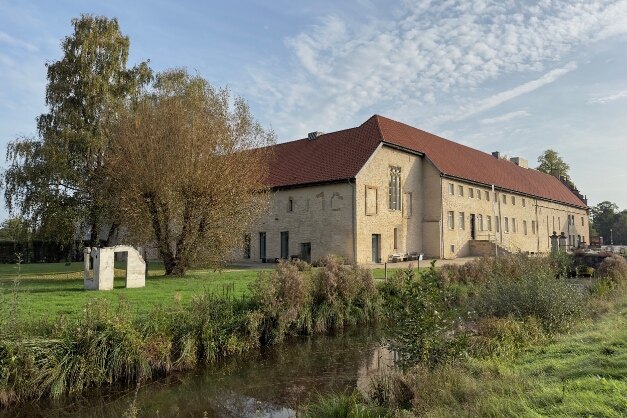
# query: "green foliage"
187,162
613,268
557,304
53,180
609,222
423,322
343,405
550,161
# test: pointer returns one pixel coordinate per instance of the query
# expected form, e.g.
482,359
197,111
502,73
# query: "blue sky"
517,77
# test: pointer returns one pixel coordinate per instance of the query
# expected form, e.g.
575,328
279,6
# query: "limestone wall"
374,216
319,215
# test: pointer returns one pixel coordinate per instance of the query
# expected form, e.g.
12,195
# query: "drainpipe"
354,200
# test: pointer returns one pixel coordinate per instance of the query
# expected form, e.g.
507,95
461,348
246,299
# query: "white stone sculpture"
103,262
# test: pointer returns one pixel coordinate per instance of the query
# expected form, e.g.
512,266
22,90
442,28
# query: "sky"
511,76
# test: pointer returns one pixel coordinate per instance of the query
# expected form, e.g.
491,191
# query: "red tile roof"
340,155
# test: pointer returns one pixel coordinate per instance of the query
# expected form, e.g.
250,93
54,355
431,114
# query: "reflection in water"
268,382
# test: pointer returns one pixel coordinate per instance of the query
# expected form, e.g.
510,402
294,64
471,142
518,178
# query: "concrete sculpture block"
104,268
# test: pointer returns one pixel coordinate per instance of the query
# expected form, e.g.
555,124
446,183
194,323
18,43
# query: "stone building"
385,189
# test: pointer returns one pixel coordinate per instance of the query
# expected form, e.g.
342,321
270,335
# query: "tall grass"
106,345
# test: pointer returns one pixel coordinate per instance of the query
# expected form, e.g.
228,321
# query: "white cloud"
446,50
505,117
11,41
611,97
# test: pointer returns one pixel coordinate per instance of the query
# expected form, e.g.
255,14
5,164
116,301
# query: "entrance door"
262,245
305,251
472,226
376,238
285,245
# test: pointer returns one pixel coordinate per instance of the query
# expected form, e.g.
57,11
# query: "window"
471,193
523,202
371,200
395,238
505,199
460,190
451,220
513,200
533,227
514,230
395,188
461,220
480,222
525,227
452,248
451,188
487,196
488,220
506,225
582,221
290,205
478,194
497,224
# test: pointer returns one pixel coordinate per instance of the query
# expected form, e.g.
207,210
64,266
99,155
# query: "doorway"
472,226
376,253
305,251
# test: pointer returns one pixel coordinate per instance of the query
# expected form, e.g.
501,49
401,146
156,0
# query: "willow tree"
53,179
188,163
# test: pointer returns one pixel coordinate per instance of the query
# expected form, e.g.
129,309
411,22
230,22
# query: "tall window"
505,199
262,245
451,188
461,220
525,227
478,194
506,224
523,202
460,190
290,205
471,193
285,245
487,196
395,188
480,222
489,222
513,200
514,225
451,220
533,227
497,224
582,221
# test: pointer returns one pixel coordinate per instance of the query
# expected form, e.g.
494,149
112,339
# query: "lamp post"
611,237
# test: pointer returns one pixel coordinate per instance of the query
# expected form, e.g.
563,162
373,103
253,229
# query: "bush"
554,302
613,268
423,323
283,298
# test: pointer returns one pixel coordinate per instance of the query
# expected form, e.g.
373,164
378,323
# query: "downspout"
441,220
354,199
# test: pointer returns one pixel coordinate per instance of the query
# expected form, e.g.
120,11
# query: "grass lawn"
45,290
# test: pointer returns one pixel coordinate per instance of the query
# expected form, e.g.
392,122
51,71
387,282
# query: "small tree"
53,179
187,165
551,161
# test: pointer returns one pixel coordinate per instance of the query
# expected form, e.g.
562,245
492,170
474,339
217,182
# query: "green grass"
48,289
581,374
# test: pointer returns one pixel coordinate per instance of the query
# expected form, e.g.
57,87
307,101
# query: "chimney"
497,155
556,173
521,162
314,135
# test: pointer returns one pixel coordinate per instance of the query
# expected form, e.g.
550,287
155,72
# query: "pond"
267,382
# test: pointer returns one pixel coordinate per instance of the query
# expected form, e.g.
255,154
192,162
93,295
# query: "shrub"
556,303
613,268
343,295
282,297
506,337
423,323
